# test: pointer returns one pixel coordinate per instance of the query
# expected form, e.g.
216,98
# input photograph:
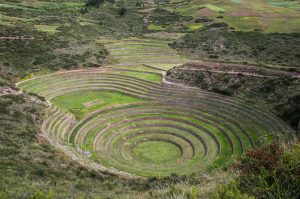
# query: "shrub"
222,91
266,157
271,171
230,191
94,3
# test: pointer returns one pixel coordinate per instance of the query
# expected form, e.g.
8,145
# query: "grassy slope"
63,36
257,48
279,94
245,15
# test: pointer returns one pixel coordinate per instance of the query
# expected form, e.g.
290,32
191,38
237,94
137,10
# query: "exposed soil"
8,91
16,38
206,11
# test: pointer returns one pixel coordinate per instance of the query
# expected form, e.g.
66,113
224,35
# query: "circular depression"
156,151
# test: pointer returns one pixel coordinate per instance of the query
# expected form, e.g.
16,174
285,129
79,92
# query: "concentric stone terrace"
132,126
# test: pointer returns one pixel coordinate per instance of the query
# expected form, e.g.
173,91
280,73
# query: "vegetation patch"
235,46
271,169
135,51
164,17
244,23
215,8
74,4
236,1
14,6
188,11
155,27
156,152
165,35
288,4
46,28
81,99
194,27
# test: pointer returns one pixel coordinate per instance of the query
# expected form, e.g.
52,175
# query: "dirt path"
8,91
164,81
17,38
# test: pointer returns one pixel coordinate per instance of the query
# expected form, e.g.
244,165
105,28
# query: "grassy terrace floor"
124,120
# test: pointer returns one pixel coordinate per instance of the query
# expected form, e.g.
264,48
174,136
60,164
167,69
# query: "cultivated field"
128,120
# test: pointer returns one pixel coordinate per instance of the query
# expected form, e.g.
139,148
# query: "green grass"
165,35
294,4
146,76
46,28
74,4
78,100
194,27
17,7
188,10
155,27
150,51
167,66
274,25
244,23
147,10
139,68
156,152
14,19
235,1
215,8
284,25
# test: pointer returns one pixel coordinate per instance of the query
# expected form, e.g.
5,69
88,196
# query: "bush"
266,157
94,3
229,191
271,171
222,91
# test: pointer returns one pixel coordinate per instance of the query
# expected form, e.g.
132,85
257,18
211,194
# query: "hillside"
149,99
275,89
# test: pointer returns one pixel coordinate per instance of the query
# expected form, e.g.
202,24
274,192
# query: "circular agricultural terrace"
157,130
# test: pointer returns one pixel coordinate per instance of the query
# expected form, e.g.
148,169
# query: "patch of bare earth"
206,11
92,103
8,91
